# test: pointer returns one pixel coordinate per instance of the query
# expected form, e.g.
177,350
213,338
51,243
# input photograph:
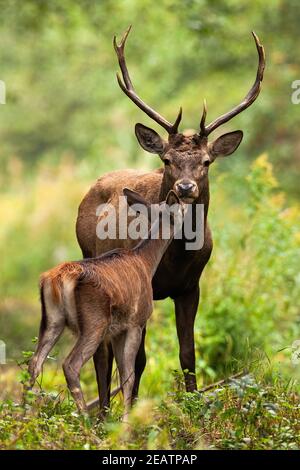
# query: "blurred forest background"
66,122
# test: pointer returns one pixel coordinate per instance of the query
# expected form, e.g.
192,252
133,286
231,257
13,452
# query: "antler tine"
247,101
177,121
203,118
128,89
119,48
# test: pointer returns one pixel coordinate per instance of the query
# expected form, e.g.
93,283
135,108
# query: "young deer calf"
104,298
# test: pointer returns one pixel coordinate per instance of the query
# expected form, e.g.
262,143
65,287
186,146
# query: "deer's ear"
149,139
226,144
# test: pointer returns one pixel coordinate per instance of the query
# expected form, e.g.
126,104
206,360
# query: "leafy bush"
251,289
243,414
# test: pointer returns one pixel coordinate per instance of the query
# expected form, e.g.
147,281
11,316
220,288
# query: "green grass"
245,413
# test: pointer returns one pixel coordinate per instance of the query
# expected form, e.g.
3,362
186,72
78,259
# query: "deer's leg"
125,350
140,364
83,350
103,359
185,310
51,327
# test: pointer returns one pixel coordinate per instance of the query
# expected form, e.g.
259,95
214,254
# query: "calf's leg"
83,350
125,351
140,364
103,359
51,327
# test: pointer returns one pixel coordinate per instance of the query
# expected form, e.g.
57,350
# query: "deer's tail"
58,294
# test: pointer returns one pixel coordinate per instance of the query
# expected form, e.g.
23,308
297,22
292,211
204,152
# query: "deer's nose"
185,187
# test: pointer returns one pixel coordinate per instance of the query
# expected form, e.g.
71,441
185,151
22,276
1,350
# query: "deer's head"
187,158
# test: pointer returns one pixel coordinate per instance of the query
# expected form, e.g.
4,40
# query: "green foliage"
62,97
249,311
65,123
248,414
254,279
245,414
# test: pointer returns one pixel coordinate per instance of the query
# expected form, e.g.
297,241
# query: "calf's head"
171,211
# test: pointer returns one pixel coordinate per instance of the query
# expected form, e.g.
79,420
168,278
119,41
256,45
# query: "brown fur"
186,160
107,298
179,272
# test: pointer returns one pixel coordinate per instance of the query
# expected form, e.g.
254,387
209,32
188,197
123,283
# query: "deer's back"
107,189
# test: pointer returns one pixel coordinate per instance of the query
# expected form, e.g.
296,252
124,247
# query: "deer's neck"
153,248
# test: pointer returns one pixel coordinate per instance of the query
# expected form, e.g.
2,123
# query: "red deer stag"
107,298
186,161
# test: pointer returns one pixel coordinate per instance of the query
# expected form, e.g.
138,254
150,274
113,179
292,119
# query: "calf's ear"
172,198
134,198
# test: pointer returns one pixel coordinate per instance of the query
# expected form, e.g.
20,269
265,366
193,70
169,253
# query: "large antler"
128,89
248,100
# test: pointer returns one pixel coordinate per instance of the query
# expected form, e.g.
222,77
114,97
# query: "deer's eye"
206,162
167,162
